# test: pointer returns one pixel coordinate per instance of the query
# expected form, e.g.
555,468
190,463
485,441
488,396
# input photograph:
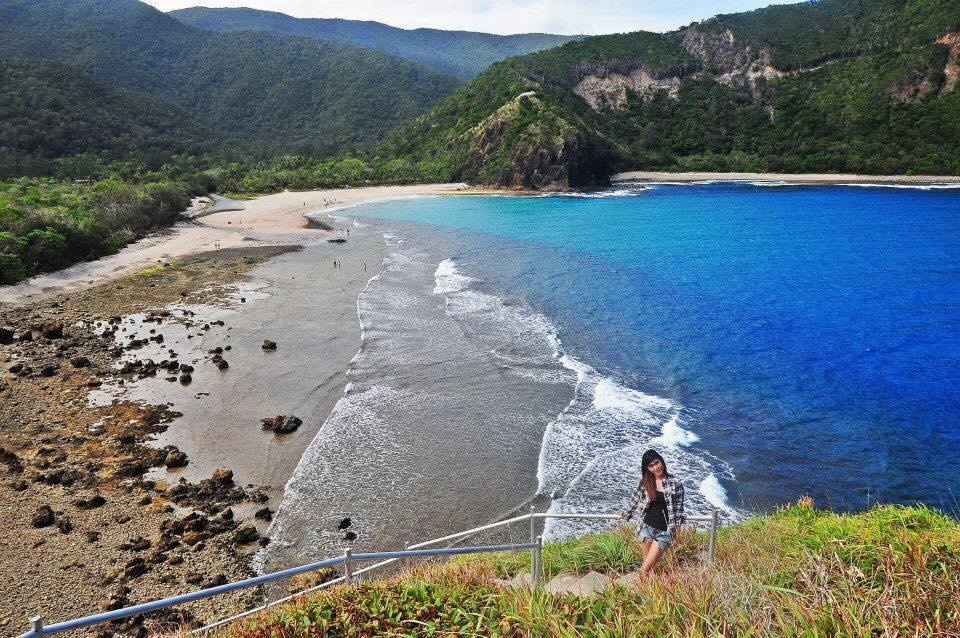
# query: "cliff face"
718,55
524,145
604,88
951,71
828,85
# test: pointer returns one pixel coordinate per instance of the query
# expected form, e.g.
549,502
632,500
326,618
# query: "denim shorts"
661,538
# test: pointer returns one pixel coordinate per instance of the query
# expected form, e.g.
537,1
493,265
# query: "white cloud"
501,16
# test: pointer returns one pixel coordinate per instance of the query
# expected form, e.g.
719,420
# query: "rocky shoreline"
86,531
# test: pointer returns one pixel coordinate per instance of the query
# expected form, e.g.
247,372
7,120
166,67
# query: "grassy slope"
460,53
798,572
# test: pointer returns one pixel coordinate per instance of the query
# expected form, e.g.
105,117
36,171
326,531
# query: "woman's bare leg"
650,558
646,547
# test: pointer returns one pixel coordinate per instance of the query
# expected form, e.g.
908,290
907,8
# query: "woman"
659,499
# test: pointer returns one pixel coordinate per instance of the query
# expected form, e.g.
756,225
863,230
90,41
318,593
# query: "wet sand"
309,308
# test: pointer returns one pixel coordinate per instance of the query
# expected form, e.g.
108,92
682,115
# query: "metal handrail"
38,629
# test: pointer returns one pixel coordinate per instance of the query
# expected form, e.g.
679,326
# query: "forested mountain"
835,85
460,53
50,111
286,94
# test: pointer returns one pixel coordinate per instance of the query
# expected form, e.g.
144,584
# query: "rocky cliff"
525,145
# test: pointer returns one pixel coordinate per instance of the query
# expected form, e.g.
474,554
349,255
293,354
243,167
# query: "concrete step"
561,583
519,580
591,583
568,583
631,579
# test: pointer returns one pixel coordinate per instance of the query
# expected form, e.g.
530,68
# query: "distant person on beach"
659,500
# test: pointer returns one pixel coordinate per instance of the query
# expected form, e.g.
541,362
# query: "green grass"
891,571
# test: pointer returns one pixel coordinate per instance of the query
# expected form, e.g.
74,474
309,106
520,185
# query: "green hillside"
890,571
460,53
51,112
862,86
294,94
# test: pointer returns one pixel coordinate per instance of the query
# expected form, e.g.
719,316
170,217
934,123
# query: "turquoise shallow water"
799,340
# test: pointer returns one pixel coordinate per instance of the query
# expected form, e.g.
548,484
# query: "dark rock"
52,330
16,368
90,503
345,523
135,567
64,525
80,362
117,599
48,371
18,486
350,536
223,476
222,364
186,367
194,578
264,514
11,460
281,424
92,536
6,335
43,517
25,337
269,345
185,379
136,544
245,533
215,581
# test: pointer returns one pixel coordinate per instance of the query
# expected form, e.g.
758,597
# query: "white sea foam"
922,187
673,435
774,184
713,491
448,278
589,454
619,192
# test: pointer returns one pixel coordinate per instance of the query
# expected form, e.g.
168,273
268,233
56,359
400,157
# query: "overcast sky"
501,16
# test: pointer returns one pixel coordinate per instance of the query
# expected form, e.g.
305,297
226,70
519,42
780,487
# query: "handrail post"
36,626
537,564
533,532
348,566
713,535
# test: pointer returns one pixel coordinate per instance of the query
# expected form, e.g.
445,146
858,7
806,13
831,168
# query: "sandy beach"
114,368
265,220
800,178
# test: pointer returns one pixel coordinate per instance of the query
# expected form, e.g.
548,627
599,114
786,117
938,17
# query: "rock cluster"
281,424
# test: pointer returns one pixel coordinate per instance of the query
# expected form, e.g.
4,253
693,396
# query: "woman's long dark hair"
648,478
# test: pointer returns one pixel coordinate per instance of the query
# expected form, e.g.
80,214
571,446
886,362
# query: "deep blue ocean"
810,334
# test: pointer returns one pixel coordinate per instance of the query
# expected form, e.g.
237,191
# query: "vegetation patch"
800,571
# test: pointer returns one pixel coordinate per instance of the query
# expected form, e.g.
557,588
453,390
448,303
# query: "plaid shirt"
672,494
